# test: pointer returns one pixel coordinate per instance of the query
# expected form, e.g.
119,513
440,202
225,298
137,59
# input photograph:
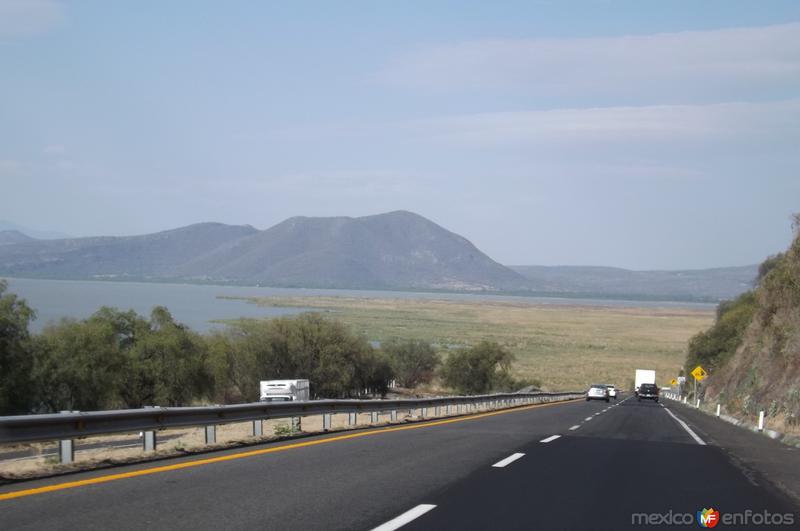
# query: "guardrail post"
718,408
393,415
423,412
326,422
374,418
258,428
149,441
211,434
66,451
66,448
352,418
149,438
760,421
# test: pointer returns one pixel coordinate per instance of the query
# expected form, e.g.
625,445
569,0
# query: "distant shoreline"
569,298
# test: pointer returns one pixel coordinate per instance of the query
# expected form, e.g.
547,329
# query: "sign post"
699,374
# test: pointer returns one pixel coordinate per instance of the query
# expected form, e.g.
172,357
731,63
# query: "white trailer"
285,390
644,376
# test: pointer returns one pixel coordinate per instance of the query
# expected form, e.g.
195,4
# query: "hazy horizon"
640,136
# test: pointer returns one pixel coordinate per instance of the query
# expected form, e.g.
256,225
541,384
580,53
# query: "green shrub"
479,369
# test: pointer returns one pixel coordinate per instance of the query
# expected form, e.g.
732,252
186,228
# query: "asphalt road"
607,463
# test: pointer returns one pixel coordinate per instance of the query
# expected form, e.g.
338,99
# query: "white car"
597,392
612,391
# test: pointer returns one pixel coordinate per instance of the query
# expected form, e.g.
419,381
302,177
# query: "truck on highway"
643,376
285,390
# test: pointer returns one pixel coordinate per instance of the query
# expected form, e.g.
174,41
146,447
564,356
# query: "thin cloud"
718,65
772,122
54,149
29,17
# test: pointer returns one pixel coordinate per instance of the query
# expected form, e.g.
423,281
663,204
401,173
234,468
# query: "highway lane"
632,459
583,466
353,483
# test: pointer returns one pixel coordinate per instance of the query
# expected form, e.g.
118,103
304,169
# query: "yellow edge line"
251,453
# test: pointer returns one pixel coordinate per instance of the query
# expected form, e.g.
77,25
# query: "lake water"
197,305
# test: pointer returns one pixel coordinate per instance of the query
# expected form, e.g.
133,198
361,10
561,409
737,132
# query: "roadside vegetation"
556,347
119,359
752,351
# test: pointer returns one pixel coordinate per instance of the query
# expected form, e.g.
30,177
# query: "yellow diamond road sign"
674,382
699,373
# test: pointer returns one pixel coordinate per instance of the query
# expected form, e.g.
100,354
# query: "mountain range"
614,282
396,250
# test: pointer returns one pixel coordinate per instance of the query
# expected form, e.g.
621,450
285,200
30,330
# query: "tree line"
120,359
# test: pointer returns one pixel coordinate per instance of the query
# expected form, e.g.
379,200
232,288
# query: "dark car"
647,391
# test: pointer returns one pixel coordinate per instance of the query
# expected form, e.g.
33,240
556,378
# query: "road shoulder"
763,460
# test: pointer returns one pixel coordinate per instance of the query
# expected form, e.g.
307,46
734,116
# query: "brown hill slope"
763,373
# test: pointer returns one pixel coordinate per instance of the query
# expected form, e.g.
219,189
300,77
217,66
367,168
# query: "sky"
638,134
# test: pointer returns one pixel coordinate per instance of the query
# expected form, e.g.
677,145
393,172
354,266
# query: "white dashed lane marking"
406,517
507,461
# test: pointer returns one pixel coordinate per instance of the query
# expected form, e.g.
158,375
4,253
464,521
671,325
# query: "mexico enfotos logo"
710,517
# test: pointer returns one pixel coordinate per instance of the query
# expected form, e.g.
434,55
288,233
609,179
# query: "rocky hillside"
753,351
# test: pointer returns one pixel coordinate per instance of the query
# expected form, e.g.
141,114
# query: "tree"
326,352
166,365
79,365
119,359
480,369
413,361
15,353
374,372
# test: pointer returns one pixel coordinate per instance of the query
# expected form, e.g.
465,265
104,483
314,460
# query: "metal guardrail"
73,425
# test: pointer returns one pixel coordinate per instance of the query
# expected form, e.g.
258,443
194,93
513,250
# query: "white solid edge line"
508,460
406,517
685,427
551,438
575,427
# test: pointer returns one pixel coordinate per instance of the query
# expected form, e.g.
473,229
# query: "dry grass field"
564,347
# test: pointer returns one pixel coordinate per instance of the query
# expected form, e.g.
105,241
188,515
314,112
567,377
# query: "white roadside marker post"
211,434
718,408
760,421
